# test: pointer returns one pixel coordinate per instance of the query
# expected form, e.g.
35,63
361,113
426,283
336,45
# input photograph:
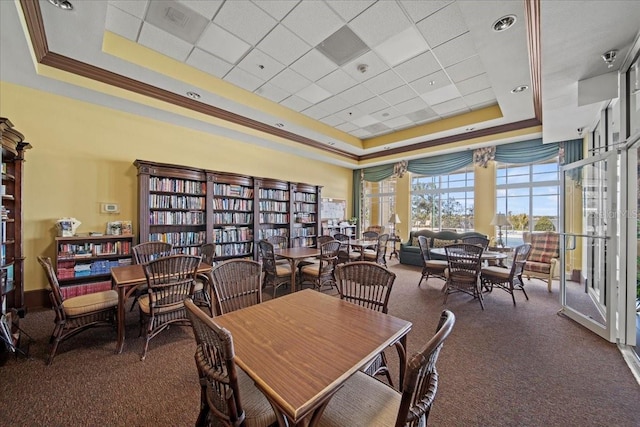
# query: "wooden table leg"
122,298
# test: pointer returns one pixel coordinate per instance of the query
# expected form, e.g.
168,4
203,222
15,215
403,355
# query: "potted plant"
353,220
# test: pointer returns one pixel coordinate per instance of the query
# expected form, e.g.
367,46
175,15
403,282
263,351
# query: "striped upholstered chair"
543,262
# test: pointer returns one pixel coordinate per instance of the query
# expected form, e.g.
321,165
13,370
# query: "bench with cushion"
543,262
410,250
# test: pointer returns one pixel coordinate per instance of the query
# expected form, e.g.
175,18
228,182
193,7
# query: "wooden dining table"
486,255
300,348
295,255
125,280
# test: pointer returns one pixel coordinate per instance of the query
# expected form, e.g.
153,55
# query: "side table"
394,251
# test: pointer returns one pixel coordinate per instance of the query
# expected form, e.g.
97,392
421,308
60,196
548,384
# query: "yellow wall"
83,155
484,199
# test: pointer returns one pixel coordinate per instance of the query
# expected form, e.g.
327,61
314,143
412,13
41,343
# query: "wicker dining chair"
345,254
430,267
202,289
75,314
228,396
170,280
369,285
365,401
370,235
142,254
237,283
321,273
508,279
464,262
380,254
324,239
476,240
274,274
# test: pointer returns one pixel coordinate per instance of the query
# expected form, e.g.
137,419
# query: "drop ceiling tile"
379,22
402,46
411,105
384,82
243,79
296,103
377,128
398,122
375,66
260,64
313,21
386,114
347,127
360,133
441,95
350,114
431,82
480,98
245,20
349,9
283,45
290,81
313,93
466,69
272,92
363,121
444,25
449,106
422,115
277,8
163,42
135,8
399,94
332,120
474,84
208,63
223,44
334,104
417,67
208,8
456,50
337,81
357,94
372,105
419,10
122,23
314,65
316,112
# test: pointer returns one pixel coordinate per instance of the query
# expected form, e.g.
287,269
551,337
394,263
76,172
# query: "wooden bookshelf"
237,210
83,263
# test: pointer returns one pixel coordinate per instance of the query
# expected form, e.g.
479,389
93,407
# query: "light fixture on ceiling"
504,23
279,125
193,95
331,143
470,128
519,89
62,4
386,147
432,82
610,57
363,68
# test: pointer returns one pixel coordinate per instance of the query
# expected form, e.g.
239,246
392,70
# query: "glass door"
588,249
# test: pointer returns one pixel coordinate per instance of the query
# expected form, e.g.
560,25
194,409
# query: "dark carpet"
504,366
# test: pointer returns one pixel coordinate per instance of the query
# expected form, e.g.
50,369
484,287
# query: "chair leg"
54,348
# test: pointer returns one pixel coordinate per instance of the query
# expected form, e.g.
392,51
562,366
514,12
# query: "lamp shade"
394,219
500,220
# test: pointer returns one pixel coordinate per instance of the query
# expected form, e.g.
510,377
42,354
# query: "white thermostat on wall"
110,208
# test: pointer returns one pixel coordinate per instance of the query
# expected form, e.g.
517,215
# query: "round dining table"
486,255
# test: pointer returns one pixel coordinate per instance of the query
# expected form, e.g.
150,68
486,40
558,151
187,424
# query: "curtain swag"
482,156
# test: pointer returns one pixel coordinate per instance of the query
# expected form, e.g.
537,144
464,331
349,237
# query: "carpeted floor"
504,366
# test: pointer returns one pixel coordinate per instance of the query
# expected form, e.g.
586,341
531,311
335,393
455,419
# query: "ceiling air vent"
342,46
176,19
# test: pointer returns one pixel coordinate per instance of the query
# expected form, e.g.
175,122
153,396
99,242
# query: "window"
529,195
443,202
379,202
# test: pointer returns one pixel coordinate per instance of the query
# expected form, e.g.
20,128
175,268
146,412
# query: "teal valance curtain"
526,152
573,151
378,173
441,164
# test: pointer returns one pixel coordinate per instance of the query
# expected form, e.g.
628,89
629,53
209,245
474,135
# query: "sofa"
410,250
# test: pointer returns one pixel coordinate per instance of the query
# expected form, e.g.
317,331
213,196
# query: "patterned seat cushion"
538,267
544,247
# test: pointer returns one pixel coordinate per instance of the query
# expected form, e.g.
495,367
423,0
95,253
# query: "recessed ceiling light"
193,95
280,125
331,143
386,147
432,82
470,128
504,23
62,4
519,89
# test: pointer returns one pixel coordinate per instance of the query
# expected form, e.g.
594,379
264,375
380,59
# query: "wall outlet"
109,208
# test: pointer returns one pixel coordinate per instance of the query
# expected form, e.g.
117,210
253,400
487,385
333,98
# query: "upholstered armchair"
543,262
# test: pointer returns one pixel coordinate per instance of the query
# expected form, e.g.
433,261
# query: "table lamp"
500,220
394,219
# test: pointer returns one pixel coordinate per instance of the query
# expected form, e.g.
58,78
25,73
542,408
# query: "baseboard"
37,299
632,360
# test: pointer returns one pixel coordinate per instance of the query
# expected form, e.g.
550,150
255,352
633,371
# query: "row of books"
184,238
274,218
233,204
303,232
69,269
232,234
82,250
232,190
84,289
175,185
270,232
266,193
305,197
164,201
234,249
271,205
221,218
302,207
178,218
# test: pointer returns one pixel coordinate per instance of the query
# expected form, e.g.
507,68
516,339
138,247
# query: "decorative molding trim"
532,21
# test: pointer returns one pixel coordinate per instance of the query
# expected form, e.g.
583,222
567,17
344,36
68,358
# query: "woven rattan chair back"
381,249
208,253
149,251
421,379
270,268
520,256
496,276
324,239
170,280
464,262
344,253
278,242
370,235
476,240
430,267
67,325
220,394
237,284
